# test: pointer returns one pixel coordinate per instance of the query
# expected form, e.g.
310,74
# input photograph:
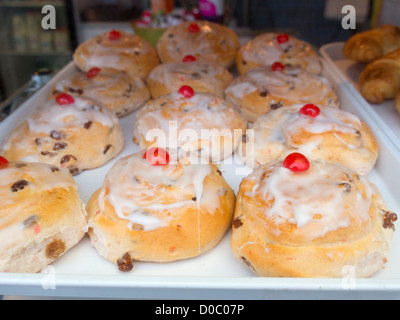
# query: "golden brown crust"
372,44
272,240
43,215
212,41
380,79
129,53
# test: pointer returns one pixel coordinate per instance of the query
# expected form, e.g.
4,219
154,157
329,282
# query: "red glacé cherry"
3,161
310,110
186,91
64,99
93,72
193,28
189,58
114,35
277,66
282,38
156,156
296,162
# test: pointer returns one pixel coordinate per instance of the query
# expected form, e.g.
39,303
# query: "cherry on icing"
93,72
186,91
114,35
64,99
3,162
310,110
296,162
189,58
277,66
193,28
156,156
282,38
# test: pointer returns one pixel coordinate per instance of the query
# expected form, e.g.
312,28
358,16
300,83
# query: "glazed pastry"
201,74
201,123
76,133
304,218
42,215
200,39
268,48
380,79
372,44
316,131
117,50
157,206
120,93
260,90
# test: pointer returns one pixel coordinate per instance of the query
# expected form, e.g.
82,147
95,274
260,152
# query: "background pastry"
159,210
260,90
118,50
372,44
203,75
380,79
199,122
200,39
76,133
42,215
318,132
301,218
119,92
269,47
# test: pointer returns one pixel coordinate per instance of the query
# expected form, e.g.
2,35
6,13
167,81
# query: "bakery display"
369,45
203,75
270,47
260,90
200,39
317,131
380,79
42,215
72,132
302,218
198,122
117,50
159,205
120,93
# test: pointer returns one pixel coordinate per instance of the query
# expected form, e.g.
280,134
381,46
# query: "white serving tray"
81,272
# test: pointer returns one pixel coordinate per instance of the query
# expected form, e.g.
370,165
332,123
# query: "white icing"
280,125
52,116
312,200
265,50
291,84
148,195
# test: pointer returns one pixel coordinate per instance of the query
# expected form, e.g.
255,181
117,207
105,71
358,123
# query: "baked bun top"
330,134
148,194
320,205
76,132
203,75
36,199
198,121
199,38
268,48
120,93
263,89
118,50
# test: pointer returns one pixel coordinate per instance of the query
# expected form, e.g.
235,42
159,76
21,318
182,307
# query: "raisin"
125,263
87,125
19,185
107,148
388,219
60,146
55,248
237,223
67,158
56,135
277,105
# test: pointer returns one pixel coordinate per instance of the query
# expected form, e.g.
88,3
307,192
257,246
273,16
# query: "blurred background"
30,55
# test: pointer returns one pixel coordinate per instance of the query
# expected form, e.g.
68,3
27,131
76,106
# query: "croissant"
372,44
380,79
